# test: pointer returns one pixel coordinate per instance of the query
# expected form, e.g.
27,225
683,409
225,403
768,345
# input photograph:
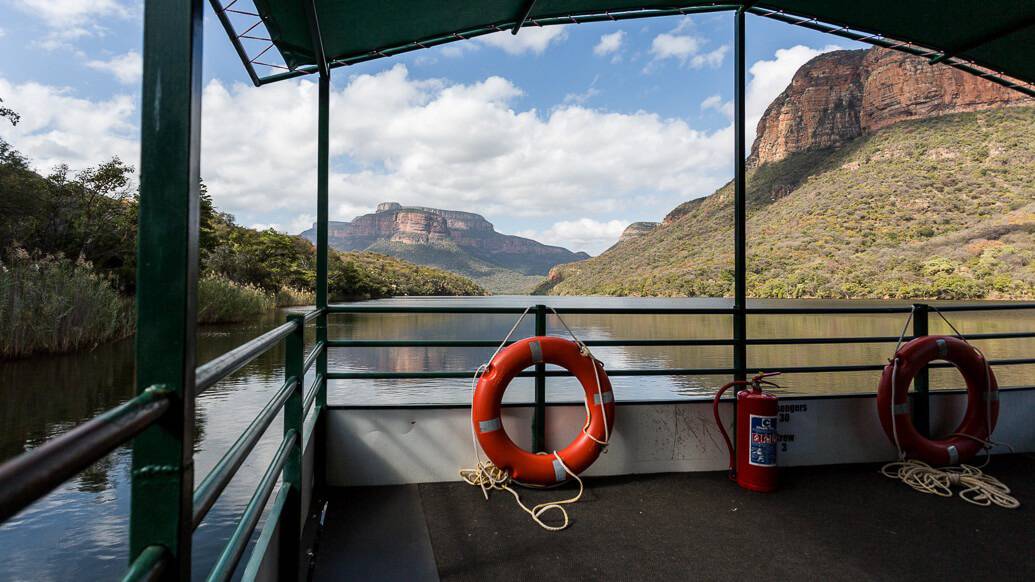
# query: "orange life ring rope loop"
538,469
973,433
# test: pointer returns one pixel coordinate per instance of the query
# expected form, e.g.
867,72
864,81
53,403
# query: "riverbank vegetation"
53,304
68,261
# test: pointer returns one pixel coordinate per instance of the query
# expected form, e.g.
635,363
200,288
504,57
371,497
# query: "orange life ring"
521,465
978,420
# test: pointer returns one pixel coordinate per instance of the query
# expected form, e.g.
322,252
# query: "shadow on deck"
826,523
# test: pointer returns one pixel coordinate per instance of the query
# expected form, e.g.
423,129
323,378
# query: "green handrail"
212,486
32,475
235,547
148,565
212,372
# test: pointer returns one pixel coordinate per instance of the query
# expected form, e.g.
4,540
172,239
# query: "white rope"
488,477
597,364
977,487
894,386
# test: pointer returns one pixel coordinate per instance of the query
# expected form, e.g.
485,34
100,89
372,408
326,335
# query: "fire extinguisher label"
763,441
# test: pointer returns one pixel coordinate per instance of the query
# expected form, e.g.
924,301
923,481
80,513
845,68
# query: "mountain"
461,242
873,174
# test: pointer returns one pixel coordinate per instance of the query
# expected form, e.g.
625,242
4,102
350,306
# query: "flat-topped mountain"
874,174
462,242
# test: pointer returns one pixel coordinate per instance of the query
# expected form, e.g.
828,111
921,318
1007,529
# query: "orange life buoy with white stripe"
521,465
979,420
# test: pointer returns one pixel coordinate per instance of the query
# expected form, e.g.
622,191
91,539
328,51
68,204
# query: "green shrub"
221,300
52,304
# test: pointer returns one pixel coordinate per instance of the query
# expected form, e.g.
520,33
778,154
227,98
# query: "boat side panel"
417,445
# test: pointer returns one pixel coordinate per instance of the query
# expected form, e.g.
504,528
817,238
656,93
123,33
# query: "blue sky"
566,134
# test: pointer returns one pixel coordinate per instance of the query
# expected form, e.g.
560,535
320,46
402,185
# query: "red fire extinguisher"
753,466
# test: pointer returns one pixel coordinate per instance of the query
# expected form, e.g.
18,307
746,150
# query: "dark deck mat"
375,533
826,523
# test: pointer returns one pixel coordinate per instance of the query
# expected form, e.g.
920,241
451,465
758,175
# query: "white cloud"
716,103
675,46
531,39
57,127
458,48
770,77
686,49
585,96
69,20
127,68
584,234
609,43
581,98
712,59
65,12
418,141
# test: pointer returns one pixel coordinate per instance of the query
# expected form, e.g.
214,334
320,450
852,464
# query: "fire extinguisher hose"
722,428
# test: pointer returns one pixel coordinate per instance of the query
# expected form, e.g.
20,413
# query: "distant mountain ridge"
462,242
873,174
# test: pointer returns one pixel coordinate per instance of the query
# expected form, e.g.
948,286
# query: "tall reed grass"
53,304
290,296
221,300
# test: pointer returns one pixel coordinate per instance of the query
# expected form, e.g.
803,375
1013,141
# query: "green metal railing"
920,313
32,475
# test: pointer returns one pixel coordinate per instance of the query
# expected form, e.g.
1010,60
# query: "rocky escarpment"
874,174
462,242
839,96
417,225
636,230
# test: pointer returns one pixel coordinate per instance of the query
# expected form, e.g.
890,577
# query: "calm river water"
80,530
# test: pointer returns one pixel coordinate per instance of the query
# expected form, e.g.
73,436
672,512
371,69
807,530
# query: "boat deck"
843,522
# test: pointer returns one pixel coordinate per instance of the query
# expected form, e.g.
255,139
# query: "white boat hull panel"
391,446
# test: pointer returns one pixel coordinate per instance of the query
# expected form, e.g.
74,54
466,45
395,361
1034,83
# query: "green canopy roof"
998,35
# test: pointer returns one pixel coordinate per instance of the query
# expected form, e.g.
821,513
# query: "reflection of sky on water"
79,531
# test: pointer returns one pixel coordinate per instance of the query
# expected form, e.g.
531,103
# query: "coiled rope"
978,487
487,476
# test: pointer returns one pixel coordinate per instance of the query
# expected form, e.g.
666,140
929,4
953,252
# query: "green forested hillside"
935,208
450,257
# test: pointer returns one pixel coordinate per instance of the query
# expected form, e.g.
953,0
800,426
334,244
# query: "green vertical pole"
291,517
539,414
739,206
322,217
921,382
167,273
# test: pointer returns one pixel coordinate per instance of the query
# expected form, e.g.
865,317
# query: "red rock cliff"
841,95
417,225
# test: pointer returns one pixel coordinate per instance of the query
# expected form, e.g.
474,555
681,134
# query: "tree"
9,114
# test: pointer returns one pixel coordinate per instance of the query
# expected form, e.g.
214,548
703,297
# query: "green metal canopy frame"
991,38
